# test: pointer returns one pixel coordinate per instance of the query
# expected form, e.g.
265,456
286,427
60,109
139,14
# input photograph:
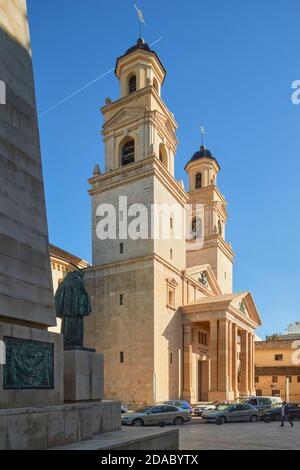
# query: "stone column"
234,361
223,362
187,363
213,346
244,375
251,363
230,359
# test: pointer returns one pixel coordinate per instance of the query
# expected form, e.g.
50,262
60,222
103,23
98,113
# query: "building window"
121,357
132,84
121,299
171,253
171,358
155,85
127,152
275,393
275,379
258,393
256,379
278,357
289,378
171,299
163,155
198,182
121,248
171,223
202,338
298,379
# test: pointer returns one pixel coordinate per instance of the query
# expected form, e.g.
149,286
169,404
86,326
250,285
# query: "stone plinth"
52,426
83,377
33,373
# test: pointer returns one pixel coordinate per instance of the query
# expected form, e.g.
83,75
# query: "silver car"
231,413
156,415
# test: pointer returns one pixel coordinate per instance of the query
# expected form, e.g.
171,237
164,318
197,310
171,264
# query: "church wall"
113,328
162,247
167,335
108,251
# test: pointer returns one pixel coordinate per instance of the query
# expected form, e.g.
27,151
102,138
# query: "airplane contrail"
80,90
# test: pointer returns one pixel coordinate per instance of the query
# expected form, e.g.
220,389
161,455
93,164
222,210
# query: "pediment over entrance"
205,276
240,306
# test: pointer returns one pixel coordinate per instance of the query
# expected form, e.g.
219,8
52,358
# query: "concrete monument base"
83,376
52,426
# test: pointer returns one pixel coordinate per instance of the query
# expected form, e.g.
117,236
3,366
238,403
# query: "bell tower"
139,134
202,172
138,124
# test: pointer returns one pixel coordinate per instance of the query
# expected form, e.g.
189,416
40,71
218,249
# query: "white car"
203,407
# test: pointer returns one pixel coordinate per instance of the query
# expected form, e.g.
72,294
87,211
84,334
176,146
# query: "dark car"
274,412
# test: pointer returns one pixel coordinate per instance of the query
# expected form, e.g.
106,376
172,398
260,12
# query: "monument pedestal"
33,373
83,376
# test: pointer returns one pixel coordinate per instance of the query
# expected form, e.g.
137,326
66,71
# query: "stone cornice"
277,370
128,174
121,102
217,240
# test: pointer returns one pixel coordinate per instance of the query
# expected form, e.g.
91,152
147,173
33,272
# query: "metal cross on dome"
141,18
202,130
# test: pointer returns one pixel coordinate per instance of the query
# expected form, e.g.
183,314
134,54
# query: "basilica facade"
163,310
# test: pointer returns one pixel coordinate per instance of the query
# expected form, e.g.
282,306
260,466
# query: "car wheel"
253,419
178,421
138,422
221,420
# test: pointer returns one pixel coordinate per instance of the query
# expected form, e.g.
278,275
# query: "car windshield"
241,400
223,407
144,409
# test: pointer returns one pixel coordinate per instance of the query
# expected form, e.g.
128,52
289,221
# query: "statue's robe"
72,304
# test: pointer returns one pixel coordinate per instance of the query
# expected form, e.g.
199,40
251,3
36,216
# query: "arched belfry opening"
163,155
198,181
132,84
155,85
127,151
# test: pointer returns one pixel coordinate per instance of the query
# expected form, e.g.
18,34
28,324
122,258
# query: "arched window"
132,84
163,155
127,153
199,180
196,231
155,84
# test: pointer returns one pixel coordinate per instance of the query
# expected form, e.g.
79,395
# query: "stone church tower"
202,171
137,280
164,314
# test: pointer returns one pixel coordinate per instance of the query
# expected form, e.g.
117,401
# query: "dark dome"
140,44
203,153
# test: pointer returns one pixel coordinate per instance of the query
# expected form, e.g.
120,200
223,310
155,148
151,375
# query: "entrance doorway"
202,381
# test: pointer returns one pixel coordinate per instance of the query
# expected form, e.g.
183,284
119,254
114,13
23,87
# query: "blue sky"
230,68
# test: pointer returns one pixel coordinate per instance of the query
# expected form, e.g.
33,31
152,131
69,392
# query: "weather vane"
202,130
141,18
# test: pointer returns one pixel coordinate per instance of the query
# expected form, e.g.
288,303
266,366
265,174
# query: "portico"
218,347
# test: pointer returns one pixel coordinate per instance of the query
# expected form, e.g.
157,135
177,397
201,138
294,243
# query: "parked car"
124,408
260,403
231,412
274,412
203,407
179,403
156,415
